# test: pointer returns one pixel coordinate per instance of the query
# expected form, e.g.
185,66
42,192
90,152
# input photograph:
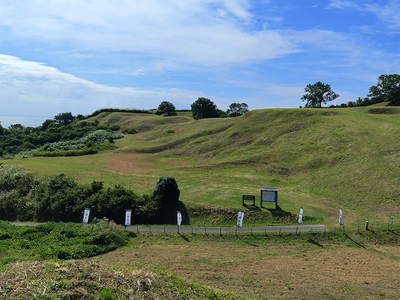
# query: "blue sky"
79,56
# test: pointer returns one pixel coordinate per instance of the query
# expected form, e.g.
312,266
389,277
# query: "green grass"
320,159
58,240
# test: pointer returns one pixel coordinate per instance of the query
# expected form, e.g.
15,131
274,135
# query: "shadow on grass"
184,237
279,212
357,243
252,207
314,242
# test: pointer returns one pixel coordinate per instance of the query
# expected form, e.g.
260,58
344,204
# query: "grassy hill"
319,159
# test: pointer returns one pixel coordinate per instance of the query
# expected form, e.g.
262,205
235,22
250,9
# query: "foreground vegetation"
59,241
255,265
25,197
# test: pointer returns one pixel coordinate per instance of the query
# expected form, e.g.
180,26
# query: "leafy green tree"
387,89
166,190
237,109
16,127
166,108
64,118
318,94
204,108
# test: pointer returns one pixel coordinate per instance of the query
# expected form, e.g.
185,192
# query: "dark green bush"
166,190
60,198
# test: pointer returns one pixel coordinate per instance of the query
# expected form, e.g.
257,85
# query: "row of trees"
204,108
58,198
386,90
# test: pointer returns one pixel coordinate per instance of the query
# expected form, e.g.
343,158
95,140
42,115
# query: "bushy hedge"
53,136
125,110
59,198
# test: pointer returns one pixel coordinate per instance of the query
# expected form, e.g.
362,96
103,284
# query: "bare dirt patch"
124,163
290,271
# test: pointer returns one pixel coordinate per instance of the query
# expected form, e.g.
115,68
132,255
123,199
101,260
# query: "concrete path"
233,229
208,229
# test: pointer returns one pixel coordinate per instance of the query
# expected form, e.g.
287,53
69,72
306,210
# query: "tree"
318,94
166,190
166,108
64,118
16,127
204,108
237,109
387,89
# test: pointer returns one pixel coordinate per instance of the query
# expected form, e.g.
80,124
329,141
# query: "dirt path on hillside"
304,271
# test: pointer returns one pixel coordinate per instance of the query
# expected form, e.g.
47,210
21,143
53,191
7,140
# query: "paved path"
202,229
208,229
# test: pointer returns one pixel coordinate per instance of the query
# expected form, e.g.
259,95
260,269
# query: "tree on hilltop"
318,94
237,109
204,108
387,89
166,108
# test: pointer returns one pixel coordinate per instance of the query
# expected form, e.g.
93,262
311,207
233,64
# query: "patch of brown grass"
305,270
72,280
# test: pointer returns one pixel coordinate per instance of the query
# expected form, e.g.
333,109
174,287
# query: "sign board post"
341,217
86,216
240,218
269,195
178,219
300,216
128,214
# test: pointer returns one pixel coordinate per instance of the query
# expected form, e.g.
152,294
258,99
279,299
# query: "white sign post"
128,214
86,216
341,217
240,218
300,216
178,219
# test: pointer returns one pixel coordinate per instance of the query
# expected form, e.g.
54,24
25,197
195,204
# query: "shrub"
166,190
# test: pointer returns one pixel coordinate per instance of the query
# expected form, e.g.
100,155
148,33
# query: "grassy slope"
319,158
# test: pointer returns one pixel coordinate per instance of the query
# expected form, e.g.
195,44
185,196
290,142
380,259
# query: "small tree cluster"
386,90
317,94
237,109
166,108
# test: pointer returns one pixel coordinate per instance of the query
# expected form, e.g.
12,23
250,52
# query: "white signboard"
341,217
86,215
240,218
179,218
301,216
128,217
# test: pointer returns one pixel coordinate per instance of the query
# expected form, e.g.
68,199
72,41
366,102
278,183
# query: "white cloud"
343,4
31,88
190,31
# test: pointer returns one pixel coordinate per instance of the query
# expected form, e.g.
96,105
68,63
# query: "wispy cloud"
388,13
188,31
30,88
343,4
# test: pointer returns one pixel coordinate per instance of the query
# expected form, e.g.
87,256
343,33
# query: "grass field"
319,159
287,266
